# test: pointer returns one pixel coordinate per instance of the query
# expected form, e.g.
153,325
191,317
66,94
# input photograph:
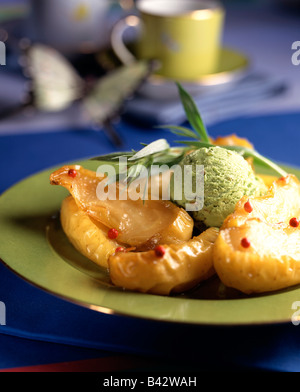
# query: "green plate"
33,245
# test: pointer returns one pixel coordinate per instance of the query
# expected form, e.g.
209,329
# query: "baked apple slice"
279,205
139,223
258,248
88,236
166,269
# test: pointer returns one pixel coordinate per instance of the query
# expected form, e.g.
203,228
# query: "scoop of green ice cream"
227,178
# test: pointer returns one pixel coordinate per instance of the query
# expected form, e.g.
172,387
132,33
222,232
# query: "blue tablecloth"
43,329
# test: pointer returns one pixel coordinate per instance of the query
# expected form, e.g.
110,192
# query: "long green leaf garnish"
151,149
180,131
192,114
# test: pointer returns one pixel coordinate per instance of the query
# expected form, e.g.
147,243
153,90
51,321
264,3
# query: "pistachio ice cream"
227,178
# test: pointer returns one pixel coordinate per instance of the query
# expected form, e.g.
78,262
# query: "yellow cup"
184,36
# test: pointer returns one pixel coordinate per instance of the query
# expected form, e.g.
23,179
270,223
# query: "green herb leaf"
112,157
193,114
152,148
180,131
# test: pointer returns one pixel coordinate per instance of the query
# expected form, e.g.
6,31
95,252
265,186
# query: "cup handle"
117,38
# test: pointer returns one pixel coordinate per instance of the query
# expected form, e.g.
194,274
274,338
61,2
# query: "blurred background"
255,77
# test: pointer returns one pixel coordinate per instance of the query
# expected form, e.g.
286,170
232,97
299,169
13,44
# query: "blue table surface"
43,329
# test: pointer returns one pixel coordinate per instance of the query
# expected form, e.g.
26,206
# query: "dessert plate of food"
206,232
